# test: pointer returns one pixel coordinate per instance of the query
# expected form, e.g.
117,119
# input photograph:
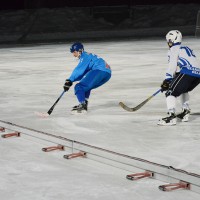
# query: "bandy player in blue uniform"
91,72
182,76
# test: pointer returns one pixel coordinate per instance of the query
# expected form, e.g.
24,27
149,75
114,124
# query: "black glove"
67,85
165,85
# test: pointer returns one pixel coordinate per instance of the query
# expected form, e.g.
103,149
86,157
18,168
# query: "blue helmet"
76,47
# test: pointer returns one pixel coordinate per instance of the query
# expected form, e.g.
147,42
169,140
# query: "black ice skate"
184,115
80,109
168,121
76,107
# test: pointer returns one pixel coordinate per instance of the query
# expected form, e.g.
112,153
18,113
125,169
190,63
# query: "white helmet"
174,36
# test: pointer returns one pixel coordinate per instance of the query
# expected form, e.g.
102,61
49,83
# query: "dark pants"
182,83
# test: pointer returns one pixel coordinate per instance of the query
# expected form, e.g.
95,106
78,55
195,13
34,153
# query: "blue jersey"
88,62
183,59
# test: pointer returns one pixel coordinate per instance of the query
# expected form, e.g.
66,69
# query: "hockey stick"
125,107
51,109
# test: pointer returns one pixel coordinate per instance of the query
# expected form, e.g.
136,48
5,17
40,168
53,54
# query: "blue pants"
93,79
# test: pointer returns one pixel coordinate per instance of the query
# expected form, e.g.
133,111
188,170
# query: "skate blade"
42,115
162,123
167,124
74,112
185,120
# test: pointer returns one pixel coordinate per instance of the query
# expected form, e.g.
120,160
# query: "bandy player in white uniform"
182,76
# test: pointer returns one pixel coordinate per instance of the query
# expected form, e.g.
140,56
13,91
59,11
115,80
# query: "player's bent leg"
83,103
92,80
171,119
174,91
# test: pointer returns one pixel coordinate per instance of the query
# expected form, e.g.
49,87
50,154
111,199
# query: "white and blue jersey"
182,59
88,62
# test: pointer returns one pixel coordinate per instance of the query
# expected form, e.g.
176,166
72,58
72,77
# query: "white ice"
31,79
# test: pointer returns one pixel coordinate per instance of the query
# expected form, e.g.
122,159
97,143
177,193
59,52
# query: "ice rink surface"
31,79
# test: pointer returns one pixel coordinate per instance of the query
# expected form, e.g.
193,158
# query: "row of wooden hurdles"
133,177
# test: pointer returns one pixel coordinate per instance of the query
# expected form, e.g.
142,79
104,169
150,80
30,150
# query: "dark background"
30,21
30,4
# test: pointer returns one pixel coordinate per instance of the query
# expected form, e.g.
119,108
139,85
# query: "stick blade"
42,115
125,107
